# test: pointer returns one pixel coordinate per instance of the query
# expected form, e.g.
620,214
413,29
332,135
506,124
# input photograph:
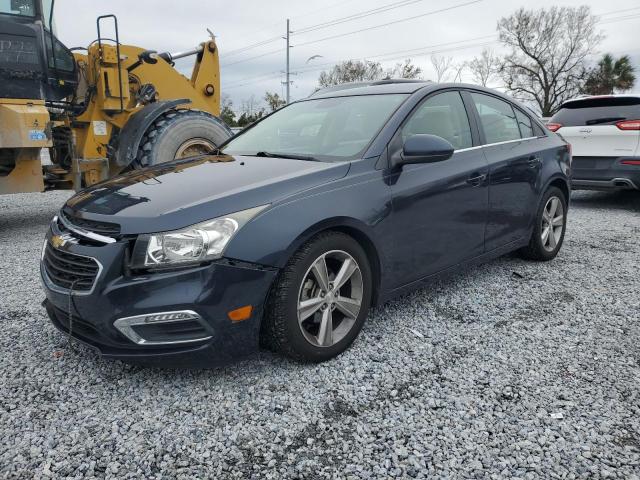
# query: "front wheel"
320,300
549,229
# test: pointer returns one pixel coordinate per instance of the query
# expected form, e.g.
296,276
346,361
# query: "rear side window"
597,111
524,122
443,115
497,118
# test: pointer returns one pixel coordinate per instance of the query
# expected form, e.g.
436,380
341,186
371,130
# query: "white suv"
604,133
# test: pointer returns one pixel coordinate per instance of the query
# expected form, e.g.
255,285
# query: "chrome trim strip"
84,233
477,147
52,286
509,141
125,324
492,144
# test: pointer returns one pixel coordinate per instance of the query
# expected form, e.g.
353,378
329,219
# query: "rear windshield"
597,111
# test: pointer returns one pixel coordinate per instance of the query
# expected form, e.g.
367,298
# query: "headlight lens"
197,243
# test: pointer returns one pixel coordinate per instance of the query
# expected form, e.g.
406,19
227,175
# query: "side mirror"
424,148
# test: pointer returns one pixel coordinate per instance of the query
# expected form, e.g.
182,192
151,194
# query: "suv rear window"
597,111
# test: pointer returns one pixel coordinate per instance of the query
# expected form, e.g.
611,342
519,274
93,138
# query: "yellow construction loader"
100,110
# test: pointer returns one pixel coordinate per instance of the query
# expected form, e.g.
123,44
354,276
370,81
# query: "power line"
413,17
388,56
253,58
618,19
313,12
329,23
414,51
602,21
253,45
356,16
274,39
617,11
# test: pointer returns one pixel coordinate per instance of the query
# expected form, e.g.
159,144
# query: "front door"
439,209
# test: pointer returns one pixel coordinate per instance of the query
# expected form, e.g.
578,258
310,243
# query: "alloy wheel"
552,223
330,298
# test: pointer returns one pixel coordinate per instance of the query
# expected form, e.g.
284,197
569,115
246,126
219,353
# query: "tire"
544,250
283,332
170,135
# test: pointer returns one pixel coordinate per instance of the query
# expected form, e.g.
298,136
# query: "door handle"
534,162
476,179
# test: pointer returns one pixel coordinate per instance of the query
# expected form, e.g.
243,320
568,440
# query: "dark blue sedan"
291,231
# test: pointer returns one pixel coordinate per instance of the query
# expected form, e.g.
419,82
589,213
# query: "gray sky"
460,32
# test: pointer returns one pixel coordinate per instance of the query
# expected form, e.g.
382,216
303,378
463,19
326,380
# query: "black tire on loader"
179,134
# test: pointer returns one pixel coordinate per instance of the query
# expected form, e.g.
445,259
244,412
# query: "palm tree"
610,76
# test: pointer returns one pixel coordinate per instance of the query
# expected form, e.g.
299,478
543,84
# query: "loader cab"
29,67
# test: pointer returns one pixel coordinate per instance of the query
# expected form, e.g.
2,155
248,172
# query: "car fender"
274,235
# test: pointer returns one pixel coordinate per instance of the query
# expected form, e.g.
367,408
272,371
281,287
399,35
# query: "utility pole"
288,73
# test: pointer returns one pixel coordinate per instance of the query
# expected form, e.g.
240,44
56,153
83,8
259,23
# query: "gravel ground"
509,370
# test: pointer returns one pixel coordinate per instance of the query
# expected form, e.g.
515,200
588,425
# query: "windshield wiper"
595,121
286,155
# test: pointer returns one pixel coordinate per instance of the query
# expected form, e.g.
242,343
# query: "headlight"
194,244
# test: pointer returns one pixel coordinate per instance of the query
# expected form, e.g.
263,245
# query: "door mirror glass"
425,148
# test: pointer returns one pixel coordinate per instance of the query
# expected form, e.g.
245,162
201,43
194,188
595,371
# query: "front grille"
101,228
67,270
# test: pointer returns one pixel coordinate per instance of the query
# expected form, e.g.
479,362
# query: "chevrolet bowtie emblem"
58,241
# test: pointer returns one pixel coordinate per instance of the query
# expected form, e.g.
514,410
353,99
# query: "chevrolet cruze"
288,234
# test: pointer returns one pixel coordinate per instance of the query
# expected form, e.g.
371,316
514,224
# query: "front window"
443,115
25,8
328,129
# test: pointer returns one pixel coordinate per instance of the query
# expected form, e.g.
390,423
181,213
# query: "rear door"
592,127
515,165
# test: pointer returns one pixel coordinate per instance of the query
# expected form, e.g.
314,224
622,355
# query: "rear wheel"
550,225
321,299
180,134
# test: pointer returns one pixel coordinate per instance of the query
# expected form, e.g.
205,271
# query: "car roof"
402,85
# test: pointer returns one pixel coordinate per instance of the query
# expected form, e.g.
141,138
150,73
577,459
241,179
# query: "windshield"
26,8
329,129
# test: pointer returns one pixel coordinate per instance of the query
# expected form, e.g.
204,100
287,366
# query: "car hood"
185,192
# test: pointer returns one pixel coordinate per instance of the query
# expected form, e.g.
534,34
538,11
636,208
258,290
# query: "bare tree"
274,101
352,71
226,110
365,70
251,106
405,69
548,51
484,68
441,65
458,69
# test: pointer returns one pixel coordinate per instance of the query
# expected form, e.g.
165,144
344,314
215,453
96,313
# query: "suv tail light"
554,127
629,125
631,162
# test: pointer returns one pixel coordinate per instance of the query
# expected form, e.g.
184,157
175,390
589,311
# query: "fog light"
164,328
